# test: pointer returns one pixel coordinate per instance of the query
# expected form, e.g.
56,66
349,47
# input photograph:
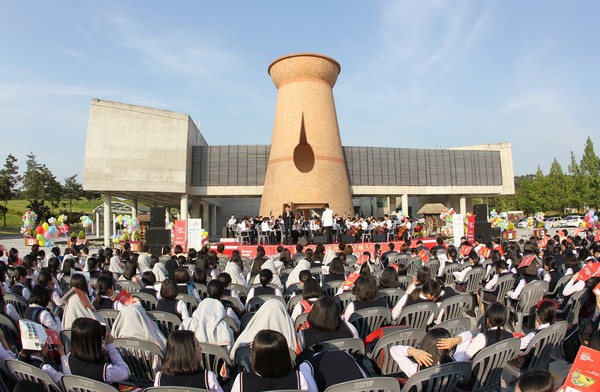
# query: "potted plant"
81,238
136,243
509,233
72,240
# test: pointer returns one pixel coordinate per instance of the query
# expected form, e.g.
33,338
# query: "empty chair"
473,280
560,285
148,301
128,285
504,284
343,299
454,307
18,302
109,315
349,345
487,366
434,267
455,326
216,359
571,310
23,371
404,282
392,296
532,293
166,322
440,378
418,315
381,352
10,333
368,320
386,384
83,384
539,350
330,288
448,272
142,358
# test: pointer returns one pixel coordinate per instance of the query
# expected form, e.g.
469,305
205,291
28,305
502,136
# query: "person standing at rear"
327,221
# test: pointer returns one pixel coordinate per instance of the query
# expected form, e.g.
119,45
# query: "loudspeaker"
483,229
303,241
379,238
496,232
319,239
347,239
156,250
157,217
158,237
481,212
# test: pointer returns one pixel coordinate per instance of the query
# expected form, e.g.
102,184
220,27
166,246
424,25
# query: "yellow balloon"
117,240
45,226
583,224
42,242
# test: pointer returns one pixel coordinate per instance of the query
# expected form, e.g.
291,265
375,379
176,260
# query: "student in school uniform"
168,301
35,349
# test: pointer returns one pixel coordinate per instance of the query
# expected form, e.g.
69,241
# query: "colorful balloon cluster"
64,226
204,235
86,221
589,220
447,217
47,232
29,220
130,224
498,220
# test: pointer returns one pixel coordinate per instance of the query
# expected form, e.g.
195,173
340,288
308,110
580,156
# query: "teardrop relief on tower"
304,156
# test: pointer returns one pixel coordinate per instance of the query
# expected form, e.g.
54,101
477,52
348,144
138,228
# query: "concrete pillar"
196,208
183,207
463,205
213,221
306,141
405,204
114,223
97,223
107,218
205,216
134,207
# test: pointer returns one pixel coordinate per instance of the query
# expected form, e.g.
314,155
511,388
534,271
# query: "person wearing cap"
35,349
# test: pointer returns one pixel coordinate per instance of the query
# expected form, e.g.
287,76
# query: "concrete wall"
139,149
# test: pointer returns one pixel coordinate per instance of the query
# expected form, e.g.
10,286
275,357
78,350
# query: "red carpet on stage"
357,248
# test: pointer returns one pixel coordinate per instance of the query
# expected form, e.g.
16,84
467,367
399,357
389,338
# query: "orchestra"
274,227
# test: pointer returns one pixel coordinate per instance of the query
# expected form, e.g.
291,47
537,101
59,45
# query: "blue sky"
421,74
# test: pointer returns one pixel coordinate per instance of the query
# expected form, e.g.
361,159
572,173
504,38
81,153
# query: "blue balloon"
52,229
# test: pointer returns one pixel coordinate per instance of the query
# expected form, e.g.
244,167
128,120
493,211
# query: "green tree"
556,188
9,179
590,171
40,186
577,185
72,190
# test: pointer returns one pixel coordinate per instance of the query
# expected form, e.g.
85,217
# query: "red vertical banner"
471,228
180,234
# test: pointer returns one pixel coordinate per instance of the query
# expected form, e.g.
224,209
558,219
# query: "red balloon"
586,218
589,225
39,230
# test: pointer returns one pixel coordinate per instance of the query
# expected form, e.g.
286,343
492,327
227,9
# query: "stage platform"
357,248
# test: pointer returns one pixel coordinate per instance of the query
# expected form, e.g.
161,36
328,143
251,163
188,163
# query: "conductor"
288,222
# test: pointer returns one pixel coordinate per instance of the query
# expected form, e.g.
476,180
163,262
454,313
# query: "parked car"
523,224
552,221
571,221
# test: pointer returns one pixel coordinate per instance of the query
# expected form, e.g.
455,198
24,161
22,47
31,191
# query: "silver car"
571,221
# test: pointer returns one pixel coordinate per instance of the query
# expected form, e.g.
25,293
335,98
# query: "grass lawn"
16,209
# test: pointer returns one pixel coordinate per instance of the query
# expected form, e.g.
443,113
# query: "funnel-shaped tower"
306,164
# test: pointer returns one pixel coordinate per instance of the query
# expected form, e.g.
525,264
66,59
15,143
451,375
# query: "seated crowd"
270,321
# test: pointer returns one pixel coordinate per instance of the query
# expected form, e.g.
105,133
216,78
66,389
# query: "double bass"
401,231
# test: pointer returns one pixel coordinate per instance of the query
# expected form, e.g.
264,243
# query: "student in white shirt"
436,349
496,316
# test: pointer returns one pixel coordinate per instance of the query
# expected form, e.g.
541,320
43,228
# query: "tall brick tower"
306,164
